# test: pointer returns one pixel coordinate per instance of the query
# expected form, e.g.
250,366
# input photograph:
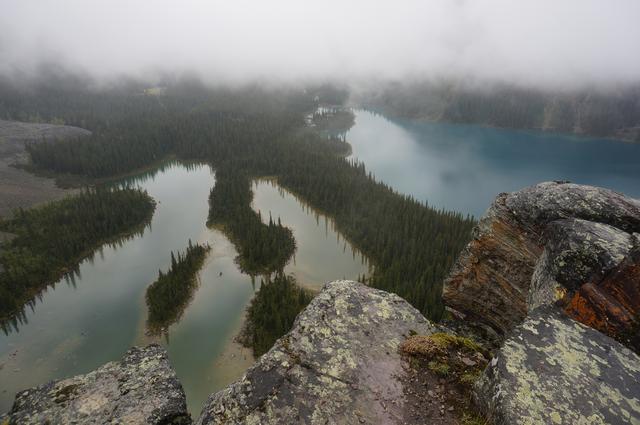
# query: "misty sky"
532,42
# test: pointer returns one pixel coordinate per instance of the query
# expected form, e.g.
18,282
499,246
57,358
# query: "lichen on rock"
554,242
576,251
339,364
141,388
554,370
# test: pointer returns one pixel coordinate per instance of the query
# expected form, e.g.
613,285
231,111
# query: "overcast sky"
534,42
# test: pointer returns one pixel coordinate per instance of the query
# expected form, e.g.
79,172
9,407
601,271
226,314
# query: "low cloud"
533,42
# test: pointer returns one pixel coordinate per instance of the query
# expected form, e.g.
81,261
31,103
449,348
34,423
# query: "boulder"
537,205
612,304
141,388
554,370
576,251
340,363
554,242
489,283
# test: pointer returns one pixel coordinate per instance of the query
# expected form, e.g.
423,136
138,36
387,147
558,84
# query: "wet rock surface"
554,370
552,243
612,304
490,280
141,388
339,364
577,251
538,205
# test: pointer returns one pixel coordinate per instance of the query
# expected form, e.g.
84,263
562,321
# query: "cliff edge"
141,388
339,364
555,243
552,274
553,271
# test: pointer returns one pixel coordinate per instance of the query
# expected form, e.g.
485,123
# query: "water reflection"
322,254
463,167
99,311
92,318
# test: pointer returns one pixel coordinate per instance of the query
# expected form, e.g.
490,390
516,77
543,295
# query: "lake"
98,315
463,167
95,318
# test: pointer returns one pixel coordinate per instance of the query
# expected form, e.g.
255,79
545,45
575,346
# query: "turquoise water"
463,167
79,325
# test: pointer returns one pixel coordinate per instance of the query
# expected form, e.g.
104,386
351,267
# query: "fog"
550,43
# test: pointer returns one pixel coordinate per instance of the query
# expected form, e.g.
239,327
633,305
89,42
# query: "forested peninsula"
263,248
168,296
251,133
49,241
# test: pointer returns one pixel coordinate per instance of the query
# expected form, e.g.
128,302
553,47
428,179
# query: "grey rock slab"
141,388
19,188
577,251
549,201
339,364
554,370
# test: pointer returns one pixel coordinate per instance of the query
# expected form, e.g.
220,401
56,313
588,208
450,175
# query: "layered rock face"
142,388
339,364
554,370
542,260
554,242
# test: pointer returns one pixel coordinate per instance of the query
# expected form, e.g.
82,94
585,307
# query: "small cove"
80,323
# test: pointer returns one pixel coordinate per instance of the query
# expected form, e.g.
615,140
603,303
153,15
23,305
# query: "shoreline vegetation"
168,296
333,119
250,133
51,240
586,113
262,248
272,312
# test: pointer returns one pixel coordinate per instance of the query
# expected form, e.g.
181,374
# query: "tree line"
171,292
262,248
613,113
411,245
50,240
272,312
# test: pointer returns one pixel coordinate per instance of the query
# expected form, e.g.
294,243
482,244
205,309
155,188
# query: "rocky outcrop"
142,388
18,188
339,364
542,260
577,251
554,370
554,242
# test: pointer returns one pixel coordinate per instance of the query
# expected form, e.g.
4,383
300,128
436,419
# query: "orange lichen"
580,309
598,309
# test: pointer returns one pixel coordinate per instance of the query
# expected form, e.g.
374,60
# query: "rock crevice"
554,242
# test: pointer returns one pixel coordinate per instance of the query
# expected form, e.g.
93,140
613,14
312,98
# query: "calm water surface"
80,325
463,167
322,254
